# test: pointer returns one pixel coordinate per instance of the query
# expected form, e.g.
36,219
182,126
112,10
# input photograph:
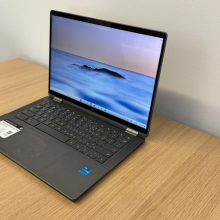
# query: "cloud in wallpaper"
130,51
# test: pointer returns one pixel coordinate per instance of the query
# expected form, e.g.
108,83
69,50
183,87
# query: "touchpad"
35,150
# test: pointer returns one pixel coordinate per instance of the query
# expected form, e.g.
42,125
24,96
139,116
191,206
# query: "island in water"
100,70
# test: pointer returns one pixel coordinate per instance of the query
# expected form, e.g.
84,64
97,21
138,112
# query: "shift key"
32,122
102,151
21,116
52,132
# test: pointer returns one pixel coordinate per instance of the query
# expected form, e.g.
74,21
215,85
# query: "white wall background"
189,89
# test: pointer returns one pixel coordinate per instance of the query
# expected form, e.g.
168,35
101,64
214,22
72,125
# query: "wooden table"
174,175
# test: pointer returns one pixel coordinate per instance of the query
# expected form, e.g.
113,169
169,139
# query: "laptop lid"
108,68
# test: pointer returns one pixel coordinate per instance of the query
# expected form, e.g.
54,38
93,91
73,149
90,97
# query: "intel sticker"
85,171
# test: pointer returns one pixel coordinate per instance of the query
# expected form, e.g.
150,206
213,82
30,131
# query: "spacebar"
53,133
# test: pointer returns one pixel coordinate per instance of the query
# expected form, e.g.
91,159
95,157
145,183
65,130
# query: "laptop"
103,78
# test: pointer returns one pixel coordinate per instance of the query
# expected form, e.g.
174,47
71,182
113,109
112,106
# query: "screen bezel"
162,35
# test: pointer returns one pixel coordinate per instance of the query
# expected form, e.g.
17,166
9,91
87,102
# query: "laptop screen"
109,69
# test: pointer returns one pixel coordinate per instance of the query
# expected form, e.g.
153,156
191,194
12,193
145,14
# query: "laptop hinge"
57,99
132,132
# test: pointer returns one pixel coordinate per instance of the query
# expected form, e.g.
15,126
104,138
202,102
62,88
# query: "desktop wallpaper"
111,68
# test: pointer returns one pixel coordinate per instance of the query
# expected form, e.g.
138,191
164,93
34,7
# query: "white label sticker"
7,129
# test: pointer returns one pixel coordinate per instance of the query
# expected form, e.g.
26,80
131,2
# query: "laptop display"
108,69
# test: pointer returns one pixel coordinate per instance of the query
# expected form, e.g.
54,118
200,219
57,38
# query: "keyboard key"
84,150
103,151
106,133
64,131
111,148
114,136
70,142
56,120
108,129
70,134
38,106
68,127
96,134
93,139
21,116
53,125
52,132
111,141
32,122
91,145
84,119
90,131
80,132
104,137
128,138
101,159
45,115
122,140
77,146
51,118
66,119
47,105
74,130
36,117
60,116
78,138
100,142
118,144
62,123
70,115
32,109
83,141
87,136
58,128
41,119
94,153
44,102
47,122
91,155
49,111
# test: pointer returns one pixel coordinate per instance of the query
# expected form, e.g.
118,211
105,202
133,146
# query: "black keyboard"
79,132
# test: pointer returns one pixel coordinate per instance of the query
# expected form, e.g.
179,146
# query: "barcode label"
7,129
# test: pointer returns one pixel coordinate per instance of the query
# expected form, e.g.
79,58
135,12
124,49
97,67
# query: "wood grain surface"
175,174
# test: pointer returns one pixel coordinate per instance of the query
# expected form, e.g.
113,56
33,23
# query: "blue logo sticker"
85,171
